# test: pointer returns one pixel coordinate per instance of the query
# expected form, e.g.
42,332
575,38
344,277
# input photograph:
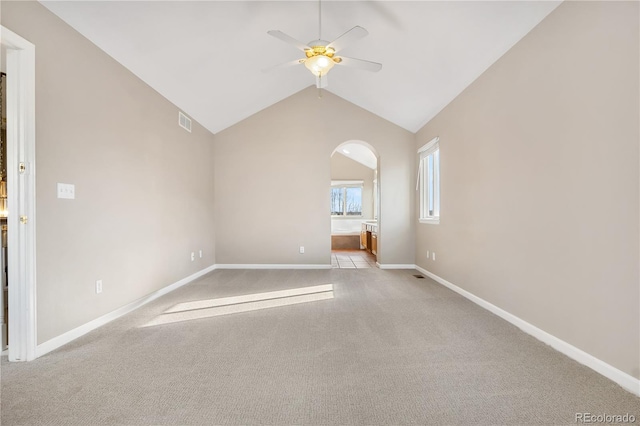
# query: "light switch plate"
66,190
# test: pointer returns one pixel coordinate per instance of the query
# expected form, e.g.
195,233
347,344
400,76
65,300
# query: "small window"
346,198
429,182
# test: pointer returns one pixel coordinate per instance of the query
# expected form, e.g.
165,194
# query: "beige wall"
540,194
143,185
273,171
344,168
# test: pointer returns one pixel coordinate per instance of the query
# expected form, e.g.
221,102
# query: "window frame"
344,184
429,182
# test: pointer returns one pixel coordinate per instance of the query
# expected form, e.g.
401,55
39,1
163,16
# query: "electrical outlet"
200,254
428,255
193,256
98,286
433,255
301,249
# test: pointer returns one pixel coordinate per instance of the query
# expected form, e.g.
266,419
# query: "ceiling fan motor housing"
319,47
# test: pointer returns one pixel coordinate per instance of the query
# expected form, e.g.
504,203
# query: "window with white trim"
346,198
429,182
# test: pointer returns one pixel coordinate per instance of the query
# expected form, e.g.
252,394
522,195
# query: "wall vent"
184,121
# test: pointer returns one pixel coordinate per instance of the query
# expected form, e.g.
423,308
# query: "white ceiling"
206,56
360,153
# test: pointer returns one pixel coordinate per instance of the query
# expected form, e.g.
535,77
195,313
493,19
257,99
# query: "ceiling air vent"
184,121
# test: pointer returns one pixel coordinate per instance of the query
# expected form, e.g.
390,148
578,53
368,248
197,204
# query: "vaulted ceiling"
207,57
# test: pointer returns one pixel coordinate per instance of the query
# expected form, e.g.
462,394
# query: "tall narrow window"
429,182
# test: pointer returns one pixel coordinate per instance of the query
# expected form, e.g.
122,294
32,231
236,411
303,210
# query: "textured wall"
144,186
540,194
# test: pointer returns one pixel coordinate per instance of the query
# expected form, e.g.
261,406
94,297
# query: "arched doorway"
355,205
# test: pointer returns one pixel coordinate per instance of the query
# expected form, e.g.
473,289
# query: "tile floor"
352,259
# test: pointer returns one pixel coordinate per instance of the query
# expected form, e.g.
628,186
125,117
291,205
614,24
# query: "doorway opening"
354,205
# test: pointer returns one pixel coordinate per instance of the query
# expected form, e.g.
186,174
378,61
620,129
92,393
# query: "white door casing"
21,195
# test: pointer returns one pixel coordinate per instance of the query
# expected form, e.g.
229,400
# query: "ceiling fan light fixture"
320,55
319,65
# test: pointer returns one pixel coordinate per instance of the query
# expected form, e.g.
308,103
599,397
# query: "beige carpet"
386,349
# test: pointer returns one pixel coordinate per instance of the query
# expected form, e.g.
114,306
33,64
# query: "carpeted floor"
386,349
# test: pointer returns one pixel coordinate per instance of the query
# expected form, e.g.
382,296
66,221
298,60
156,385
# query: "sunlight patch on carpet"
199,309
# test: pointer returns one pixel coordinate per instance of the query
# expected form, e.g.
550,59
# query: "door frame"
21,191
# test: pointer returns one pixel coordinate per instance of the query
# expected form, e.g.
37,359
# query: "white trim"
395,265
429,145
270,266
21,145
69,336
430,220
354,183
625,380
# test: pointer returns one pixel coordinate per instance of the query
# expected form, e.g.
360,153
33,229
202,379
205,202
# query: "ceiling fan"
321,55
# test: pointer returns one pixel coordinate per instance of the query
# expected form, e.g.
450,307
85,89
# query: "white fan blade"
360,64
288,39
322,82
284,65
347,38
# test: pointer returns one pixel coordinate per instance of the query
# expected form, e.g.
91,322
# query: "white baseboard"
270,266
71,335
625,380
395,265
